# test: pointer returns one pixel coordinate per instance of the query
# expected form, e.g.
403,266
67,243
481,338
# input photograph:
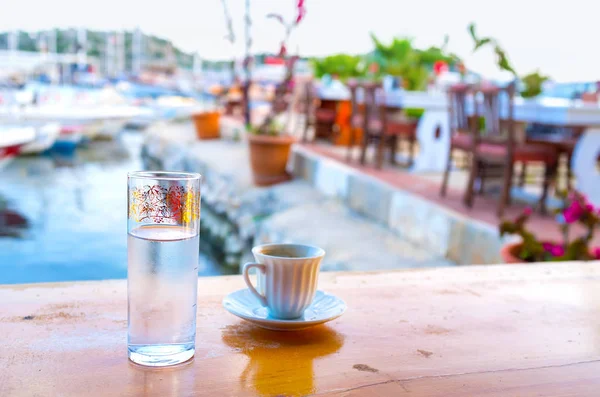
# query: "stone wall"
425,224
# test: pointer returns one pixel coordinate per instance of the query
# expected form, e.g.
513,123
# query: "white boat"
102,112
12,139
45,136
106,120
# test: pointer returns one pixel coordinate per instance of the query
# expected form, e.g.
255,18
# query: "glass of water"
162,277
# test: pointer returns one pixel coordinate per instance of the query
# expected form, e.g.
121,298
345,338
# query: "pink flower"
301,11
527,211
547,246
596,253
554,249
573,212
589,207
557,250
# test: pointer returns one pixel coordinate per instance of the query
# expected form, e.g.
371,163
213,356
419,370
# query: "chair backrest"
496,106
374,103
457,101
353,86
589,97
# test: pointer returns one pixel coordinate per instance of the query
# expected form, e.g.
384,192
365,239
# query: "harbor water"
68,214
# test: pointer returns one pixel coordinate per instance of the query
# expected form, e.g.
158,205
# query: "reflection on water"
281,363
76,207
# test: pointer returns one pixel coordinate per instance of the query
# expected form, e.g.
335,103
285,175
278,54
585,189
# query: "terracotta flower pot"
207,125
268,158
509,253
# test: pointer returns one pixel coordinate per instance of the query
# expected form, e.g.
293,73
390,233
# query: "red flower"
596,253
527,211
439,67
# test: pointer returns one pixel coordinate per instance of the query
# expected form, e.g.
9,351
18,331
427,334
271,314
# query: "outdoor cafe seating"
380,125
494,142
319,114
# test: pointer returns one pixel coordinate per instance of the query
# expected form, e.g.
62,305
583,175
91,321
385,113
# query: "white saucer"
325,307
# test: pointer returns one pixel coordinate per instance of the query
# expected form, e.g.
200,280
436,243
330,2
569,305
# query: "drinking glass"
162,274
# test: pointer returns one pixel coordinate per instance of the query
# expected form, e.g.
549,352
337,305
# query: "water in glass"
162,288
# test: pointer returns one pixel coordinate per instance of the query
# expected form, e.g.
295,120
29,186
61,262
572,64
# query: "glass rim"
165,175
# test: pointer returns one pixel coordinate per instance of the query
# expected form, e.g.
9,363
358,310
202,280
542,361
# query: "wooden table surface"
507,330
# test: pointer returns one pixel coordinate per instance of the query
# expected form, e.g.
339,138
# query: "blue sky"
556,37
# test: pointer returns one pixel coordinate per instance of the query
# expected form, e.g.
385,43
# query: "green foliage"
343,65
501,58
414,113
27,42
533,84
400,58
434,54
270,128
155,49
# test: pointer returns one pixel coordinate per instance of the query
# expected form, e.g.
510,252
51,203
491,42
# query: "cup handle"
262,268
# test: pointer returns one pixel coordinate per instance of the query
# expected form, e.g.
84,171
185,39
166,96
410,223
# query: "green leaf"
481,43
472,32
502,60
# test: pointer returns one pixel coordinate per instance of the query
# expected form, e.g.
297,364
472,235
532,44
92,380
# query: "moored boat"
69,138
12,139
46,135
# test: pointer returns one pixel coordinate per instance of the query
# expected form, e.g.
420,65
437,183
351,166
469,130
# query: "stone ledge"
423,223
352,241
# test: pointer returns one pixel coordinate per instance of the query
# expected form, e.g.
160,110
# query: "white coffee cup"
287,277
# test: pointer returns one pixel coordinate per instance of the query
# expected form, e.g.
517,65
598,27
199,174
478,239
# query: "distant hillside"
154,49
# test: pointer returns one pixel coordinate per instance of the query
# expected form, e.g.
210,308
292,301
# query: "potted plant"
269,143
575,209
269,154
533,83
412,67
207,124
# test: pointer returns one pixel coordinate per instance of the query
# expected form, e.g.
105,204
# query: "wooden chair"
460,125
498,145
318,114
380,124
356,115
563,140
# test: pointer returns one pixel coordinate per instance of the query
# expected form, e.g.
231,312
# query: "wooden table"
506,330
